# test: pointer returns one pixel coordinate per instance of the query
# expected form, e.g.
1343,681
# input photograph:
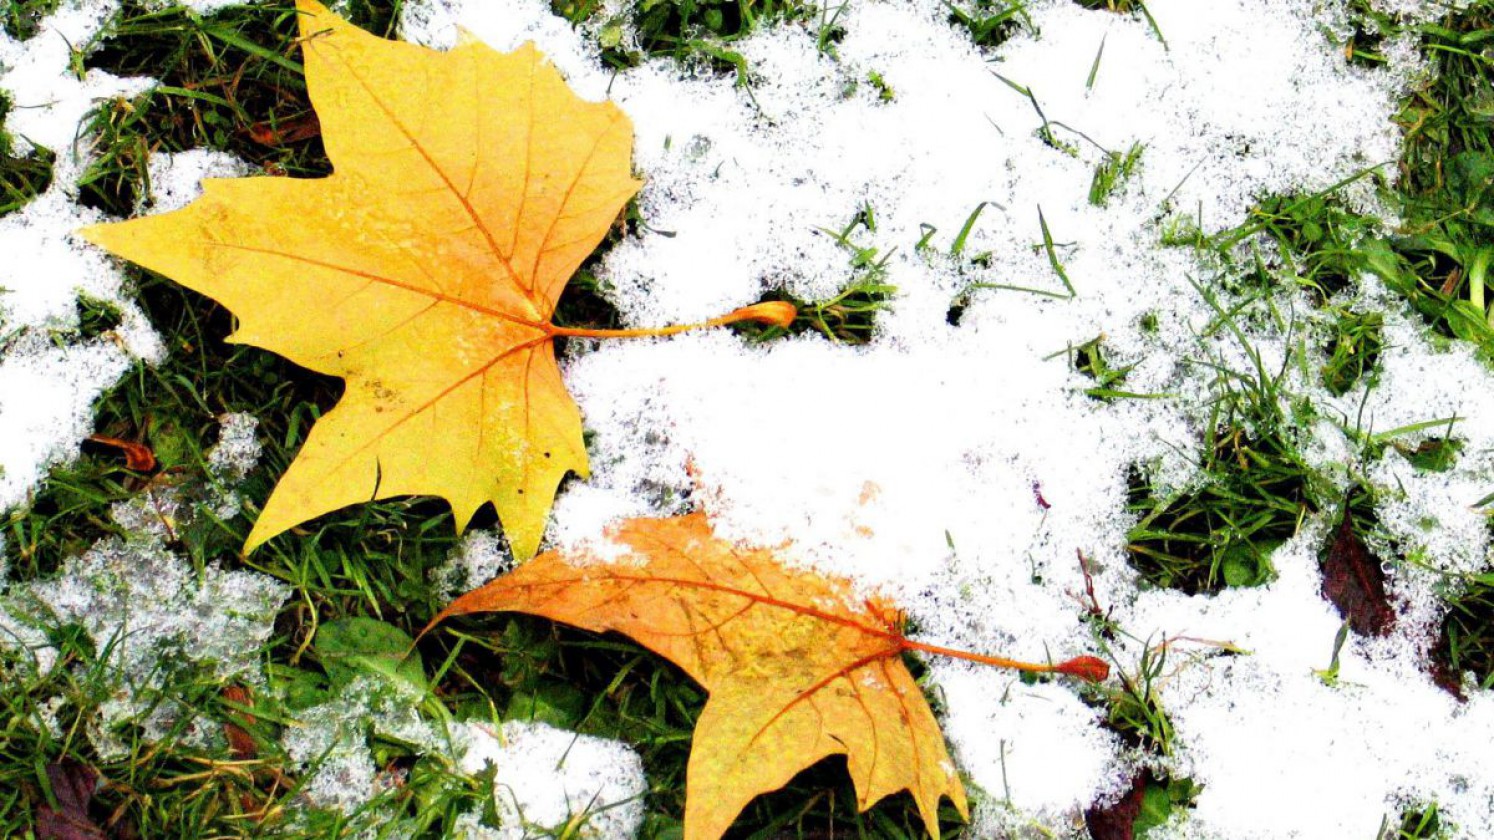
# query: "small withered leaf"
1354,582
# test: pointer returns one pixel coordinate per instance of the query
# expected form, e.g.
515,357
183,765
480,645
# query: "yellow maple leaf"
797,668
467,188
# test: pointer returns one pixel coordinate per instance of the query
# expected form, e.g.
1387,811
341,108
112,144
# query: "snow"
237,450
545,777
151,616
148,614
1341,756
915,464
175,179
330,741
481,556
542,777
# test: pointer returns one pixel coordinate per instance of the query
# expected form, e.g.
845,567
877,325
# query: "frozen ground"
910,463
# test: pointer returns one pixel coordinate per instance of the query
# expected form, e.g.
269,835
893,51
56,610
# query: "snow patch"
149,615
545,777
176,178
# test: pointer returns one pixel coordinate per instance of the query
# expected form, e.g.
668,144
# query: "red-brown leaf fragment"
73,785
1354,582
240,743
283,132
1117,821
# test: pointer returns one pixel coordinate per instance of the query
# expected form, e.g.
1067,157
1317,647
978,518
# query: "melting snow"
543,777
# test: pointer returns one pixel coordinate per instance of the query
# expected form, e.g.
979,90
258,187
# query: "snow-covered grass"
1113,312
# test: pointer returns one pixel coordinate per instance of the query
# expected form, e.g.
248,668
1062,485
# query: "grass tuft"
697,33
1135,713
1252,498
1465,640
1317,241
1112,172
1440,259
1419,823
22,20
229,82
1117,6
22,177
1091,360
849,316
1352,350
990,23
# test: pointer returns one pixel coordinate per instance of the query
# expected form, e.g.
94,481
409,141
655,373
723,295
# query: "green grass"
1439,260
697,33
1252,494
1119,6
19,20
1113,170
990,23
1443,252
1093,360
22,176
1420,823
1352,349
1465,641
849,316
1134,711
1255,488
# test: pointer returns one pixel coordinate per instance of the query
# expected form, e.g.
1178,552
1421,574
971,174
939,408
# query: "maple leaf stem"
1089,668
775,312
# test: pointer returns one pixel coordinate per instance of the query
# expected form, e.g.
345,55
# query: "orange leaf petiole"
1088,668
778,313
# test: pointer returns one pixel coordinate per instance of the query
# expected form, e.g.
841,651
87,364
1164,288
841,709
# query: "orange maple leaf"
797,668
468,187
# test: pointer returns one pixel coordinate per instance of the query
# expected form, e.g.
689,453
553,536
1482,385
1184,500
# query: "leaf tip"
465,38
316,18
95,234
260,534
